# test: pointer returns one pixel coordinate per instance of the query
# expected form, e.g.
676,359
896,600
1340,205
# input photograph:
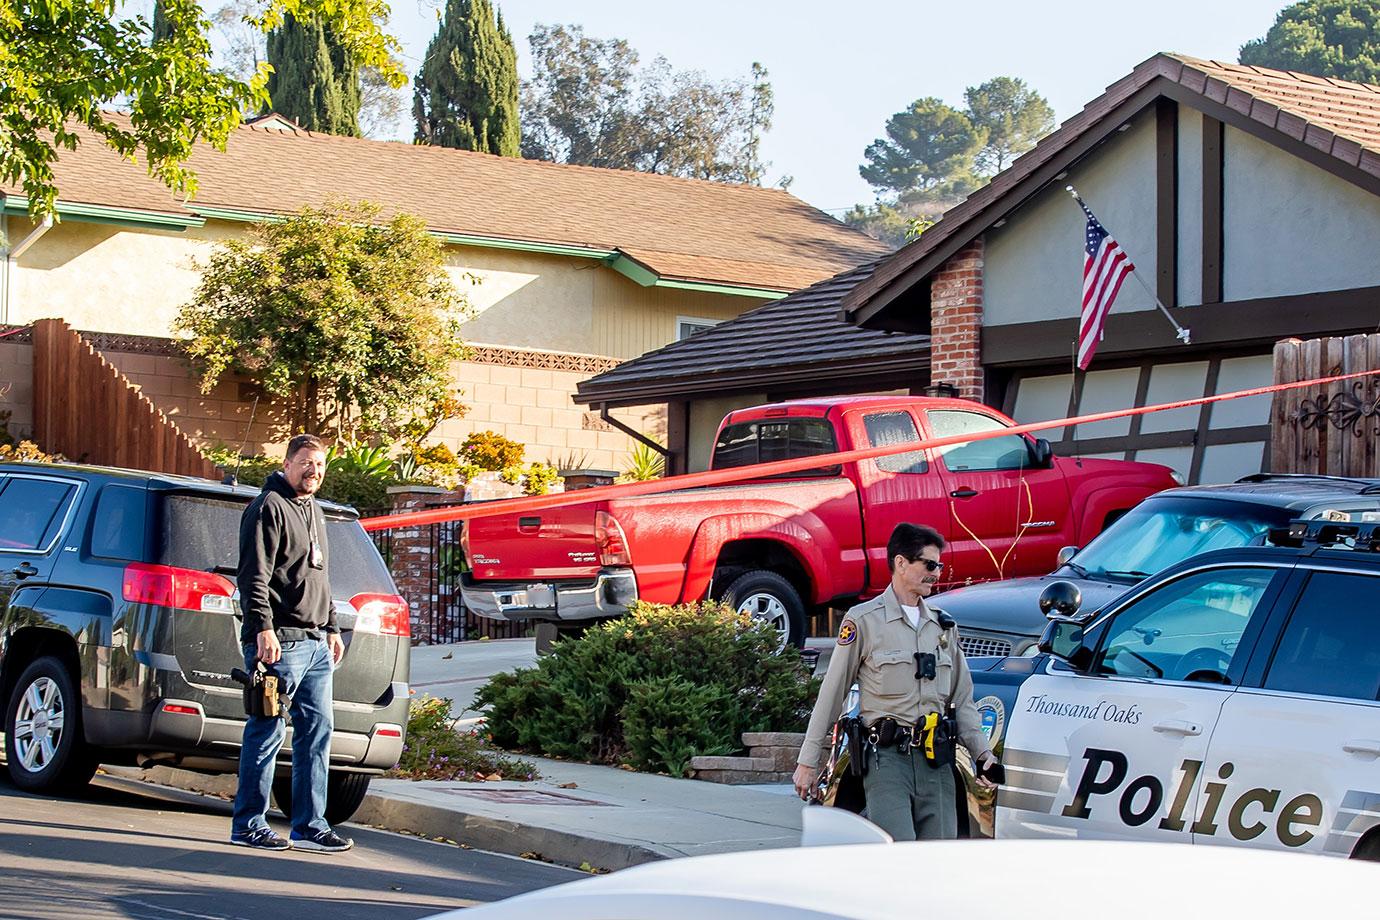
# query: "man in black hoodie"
289,625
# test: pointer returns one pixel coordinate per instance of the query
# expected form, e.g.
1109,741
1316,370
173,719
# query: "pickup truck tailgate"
551,543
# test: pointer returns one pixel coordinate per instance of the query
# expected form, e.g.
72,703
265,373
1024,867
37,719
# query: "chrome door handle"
1178,727
1362,746
25,570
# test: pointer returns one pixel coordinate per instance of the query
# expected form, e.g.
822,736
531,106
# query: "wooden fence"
1335,429
86,410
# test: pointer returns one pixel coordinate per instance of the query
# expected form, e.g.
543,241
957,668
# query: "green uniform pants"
908,798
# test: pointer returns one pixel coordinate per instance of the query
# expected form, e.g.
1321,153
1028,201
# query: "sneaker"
260,838
323,841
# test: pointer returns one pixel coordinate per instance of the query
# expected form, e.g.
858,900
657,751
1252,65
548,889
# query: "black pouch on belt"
886,733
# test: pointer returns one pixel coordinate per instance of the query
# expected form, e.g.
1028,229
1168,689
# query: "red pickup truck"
783,546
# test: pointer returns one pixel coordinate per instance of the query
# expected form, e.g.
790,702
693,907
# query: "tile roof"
1338,118
800,337
681,228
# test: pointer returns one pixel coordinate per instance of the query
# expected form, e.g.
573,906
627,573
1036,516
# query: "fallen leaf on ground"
568,786
494,777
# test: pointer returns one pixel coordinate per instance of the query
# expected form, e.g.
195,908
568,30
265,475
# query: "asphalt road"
136,852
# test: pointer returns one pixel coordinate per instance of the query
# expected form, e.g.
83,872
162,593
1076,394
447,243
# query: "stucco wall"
1034,264
1289,227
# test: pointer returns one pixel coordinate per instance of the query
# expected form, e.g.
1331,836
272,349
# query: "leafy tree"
467,91
590,103
315,81
1329,38
928,148
62,64
1012,115
353,321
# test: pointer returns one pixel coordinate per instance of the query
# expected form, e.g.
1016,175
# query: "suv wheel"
769,597
345,792
44,747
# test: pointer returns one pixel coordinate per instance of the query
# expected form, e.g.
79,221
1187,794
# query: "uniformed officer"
910,674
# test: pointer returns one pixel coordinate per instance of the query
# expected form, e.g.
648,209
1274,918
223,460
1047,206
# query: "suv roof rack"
1270,477
1334,535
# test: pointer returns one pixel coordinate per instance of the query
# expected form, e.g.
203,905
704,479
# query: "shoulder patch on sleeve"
848,632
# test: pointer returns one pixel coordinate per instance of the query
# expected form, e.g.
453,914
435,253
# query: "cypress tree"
314,81
162,28
466,93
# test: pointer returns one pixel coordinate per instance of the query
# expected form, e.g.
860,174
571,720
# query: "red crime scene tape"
778,467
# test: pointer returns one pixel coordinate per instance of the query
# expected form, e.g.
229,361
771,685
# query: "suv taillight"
610,539
385,614
185,589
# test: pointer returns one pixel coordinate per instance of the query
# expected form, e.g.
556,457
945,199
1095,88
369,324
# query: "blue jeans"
304,673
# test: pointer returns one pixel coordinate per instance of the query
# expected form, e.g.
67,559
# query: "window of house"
687,326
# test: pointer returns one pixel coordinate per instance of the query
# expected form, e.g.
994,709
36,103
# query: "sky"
840,69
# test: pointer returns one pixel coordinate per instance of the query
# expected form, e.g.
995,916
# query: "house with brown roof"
1248,200
577,269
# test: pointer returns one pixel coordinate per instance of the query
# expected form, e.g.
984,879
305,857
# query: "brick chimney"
956,322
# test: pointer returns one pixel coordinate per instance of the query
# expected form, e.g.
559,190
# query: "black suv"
1004,617
119,625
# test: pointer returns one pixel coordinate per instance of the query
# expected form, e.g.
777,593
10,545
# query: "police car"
1232,699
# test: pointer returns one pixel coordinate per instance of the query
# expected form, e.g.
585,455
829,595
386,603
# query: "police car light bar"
1364,537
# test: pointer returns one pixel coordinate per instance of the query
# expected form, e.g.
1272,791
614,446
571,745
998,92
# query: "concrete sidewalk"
575,813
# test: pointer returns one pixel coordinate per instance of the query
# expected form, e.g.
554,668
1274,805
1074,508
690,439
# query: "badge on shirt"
847,632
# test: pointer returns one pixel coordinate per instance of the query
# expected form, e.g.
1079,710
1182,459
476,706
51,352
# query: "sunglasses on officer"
931,565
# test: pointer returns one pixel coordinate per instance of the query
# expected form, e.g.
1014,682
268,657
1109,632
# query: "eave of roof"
1332,122
106,214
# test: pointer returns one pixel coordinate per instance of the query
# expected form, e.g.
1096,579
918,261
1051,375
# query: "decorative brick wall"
956,322
410,557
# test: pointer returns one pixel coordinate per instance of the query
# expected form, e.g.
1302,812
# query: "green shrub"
668,720
356,487
435,750
652,689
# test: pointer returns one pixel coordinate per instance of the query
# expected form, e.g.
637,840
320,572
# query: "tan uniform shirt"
876,648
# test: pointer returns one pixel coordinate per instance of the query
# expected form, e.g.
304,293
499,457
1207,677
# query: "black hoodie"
279,588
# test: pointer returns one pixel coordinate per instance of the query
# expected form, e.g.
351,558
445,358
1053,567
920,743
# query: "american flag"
1105,266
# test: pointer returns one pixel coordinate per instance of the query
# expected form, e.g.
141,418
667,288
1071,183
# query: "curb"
513,838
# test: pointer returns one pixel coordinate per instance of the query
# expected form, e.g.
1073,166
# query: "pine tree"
314,82
466,93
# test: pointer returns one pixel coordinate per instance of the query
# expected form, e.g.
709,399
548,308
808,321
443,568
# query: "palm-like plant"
643,464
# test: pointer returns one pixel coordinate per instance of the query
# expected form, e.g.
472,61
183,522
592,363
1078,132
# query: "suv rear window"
762,441
203,532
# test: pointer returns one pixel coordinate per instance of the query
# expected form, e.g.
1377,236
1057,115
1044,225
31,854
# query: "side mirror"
1065,556
1060,599
1041,454
1063,638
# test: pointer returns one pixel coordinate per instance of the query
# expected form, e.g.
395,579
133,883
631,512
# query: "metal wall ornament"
1356,411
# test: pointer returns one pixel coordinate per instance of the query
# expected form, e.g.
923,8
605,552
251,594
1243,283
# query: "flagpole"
1180,332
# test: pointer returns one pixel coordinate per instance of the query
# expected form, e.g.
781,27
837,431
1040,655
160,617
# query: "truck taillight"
610,539
384,614
185,589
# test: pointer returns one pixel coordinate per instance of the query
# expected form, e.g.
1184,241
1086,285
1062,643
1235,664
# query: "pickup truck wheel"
345,792
769,597
44,747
